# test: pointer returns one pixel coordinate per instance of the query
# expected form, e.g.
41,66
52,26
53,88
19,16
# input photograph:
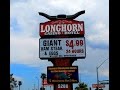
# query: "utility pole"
97,74
97,79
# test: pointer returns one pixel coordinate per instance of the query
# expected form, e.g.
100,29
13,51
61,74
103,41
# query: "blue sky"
24,38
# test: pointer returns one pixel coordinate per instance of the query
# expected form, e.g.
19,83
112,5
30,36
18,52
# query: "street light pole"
97,78
97,74
38,82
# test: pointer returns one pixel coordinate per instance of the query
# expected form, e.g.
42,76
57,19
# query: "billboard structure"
62,47
61,27
62,41
62,74
98,85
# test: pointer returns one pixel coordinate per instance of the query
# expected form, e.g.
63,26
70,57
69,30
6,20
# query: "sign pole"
63,62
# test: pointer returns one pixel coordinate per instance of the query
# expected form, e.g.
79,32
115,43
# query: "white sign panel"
62,47
62,27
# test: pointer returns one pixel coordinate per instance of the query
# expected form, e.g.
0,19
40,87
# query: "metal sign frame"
67,52
60,74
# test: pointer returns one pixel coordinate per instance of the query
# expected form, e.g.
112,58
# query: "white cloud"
104,71
26,14
100,33
18,78
72,6
24,50
94,57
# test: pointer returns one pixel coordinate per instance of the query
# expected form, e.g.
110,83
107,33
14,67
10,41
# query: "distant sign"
62,74
46,83
61,27
63,86
62,47
98,85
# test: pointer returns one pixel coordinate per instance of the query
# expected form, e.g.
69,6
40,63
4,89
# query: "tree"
12,82
43,76
11,77
81,86
19,83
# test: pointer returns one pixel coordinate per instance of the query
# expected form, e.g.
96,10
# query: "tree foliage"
14,83
81,86
43,75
